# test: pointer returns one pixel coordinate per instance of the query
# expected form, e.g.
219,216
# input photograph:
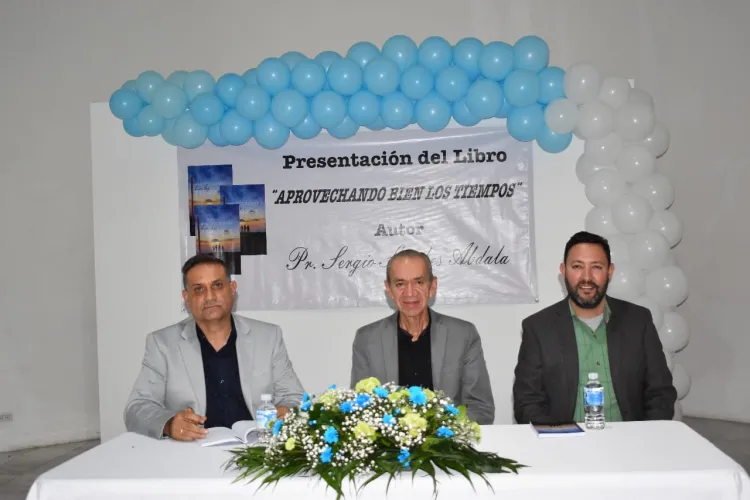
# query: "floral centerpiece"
371,431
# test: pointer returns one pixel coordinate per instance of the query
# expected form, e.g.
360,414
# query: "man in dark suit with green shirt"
591,332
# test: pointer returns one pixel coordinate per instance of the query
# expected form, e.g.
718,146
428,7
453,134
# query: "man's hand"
184,426
281,411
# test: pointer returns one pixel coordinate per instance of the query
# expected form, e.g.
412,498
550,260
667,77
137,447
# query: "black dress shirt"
415,358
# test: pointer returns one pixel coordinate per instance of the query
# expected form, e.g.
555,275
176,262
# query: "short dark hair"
202,258
586,237
409,253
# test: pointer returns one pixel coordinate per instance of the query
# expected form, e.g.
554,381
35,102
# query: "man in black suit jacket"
549,380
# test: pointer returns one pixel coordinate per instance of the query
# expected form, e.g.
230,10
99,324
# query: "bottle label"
263,417
593,397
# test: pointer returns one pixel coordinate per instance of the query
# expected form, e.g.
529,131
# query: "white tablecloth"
636,460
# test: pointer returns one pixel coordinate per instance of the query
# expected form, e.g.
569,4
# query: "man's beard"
587,303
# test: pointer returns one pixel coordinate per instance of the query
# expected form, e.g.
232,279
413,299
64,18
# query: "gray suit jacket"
171,378
458,367
546,384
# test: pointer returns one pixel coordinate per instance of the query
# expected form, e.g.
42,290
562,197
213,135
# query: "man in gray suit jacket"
418,346
209,370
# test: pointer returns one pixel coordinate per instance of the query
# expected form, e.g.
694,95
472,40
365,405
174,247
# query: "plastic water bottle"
593,403
265,413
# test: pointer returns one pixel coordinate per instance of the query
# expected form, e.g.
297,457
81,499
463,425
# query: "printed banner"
313,224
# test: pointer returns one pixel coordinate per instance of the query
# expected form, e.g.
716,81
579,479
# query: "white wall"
58,57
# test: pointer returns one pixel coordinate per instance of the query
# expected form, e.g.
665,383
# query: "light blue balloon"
435,53
531,53
198,82
417,82
169,100
150,122
125,104
132,126
274,75
362,53
308,129
228,86
551,84
345,76
293,58
402,50
270,134
484,99
433,112
207,109
466,56
253,102
377,125
214,136
463,115
147,83
168,134
250,76
397,111
525,124
289,107
308,77
345,129
328,109
235,129
188,133
364,107
178,77
382,76
130,85
452,83
504,110
552,142
521,88
496,60
327,58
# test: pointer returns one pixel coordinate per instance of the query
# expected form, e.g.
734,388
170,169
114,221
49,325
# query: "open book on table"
242,432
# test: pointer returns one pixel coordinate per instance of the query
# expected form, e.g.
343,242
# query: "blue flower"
380,392
388,419
277,427
397,411
403,457
312,422
417,395
305,397
451,409
325,455
346,407
332,386
363,400
445,432
331,435
305,405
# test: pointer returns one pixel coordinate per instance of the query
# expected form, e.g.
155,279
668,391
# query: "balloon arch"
431,83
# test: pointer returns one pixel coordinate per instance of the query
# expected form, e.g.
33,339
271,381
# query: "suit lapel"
569,353
245,360
191,355
390,349
615,352
439,338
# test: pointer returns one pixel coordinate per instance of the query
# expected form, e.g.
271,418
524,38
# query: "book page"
219,436
247,430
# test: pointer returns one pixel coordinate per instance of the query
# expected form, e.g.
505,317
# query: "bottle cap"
593,376
266,397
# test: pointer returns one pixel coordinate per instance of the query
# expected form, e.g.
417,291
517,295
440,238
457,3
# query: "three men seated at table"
211,369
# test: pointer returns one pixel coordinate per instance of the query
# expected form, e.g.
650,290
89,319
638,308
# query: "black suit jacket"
546,384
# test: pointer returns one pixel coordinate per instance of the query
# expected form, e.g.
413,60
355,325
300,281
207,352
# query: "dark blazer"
546,384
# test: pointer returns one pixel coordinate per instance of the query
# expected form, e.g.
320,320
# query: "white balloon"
657,315
678,411
634,122
596,120
658,140
618,249
581,83
669,357
657,189
586,168
680,380
605,187
648,250
671,260
631,213
627,282
635,163
614,91
561,116
674,332
604,151
640,96
667,285
668,225
599,221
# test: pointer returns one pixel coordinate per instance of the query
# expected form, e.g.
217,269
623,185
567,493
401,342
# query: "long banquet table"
634,460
